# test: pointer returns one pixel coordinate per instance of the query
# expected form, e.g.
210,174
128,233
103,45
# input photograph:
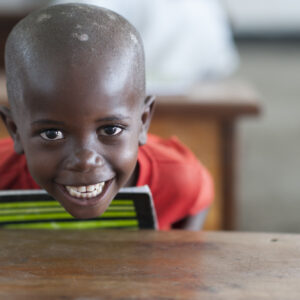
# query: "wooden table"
148,265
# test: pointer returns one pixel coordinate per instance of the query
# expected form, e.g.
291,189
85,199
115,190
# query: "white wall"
264,16
19,6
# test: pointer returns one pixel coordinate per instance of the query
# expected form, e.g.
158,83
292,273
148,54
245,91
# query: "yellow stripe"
51,203
76,225
54,203
38,210
32,210
122,202
116,208
63,215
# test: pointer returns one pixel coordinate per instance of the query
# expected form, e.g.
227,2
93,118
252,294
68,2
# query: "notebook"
132,208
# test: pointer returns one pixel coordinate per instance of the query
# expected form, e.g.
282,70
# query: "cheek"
41,165
125,158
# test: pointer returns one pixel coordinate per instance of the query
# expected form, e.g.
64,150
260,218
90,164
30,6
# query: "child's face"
80,135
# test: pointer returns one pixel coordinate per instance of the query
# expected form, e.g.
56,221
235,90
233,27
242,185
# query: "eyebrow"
107,119
113,118
47,121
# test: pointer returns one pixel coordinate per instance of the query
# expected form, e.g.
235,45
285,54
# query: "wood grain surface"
148,265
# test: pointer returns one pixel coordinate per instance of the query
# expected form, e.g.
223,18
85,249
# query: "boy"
78,112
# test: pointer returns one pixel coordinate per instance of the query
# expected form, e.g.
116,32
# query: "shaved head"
76,87
63,45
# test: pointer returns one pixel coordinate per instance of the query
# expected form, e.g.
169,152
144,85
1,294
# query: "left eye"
52,135
111,130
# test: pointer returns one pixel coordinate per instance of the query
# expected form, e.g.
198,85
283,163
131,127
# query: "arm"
191,222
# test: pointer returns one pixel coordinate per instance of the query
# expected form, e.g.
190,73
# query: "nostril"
98,160
93,158
84,160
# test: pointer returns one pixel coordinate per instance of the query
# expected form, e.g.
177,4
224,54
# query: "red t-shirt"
180,185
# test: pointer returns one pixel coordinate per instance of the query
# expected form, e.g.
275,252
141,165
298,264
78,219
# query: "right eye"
52,135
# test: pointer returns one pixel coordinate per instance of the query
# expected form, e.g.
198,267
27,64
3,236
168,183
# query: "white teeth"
81,189
86,191
90,188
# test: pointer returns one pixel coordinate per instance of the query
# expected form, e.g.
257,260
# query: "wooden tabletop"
148,265
224,99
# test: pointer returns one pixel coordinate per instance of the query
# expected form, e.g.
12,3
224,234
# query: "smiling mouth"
85,191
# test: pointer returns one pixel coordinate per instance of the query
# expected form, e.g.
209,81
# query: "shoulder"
167,151
13,168
169,166
167,155
6,144
6,150
180,184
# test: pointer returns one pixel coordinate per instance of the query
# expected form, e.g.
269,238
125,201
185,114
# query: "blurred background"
252,41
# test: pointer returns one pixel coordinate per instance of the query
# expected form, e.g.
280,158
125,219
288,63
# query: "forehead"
105,78
81,96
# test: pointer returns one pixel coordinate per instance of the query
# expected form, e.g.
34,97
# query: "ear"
146,118
12,129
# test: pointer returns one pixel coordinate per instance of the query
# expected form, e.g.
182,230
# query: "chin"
85,214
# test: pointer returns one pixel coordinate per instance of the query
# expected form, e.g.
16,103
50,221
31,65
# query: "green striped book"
132,208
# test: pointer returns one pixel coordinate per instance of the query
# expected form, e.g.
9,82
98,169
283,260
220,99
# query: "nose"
84,160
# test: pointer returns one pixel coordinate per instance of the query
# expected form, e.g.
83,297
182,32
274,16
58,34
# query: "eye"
110,130
52,135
